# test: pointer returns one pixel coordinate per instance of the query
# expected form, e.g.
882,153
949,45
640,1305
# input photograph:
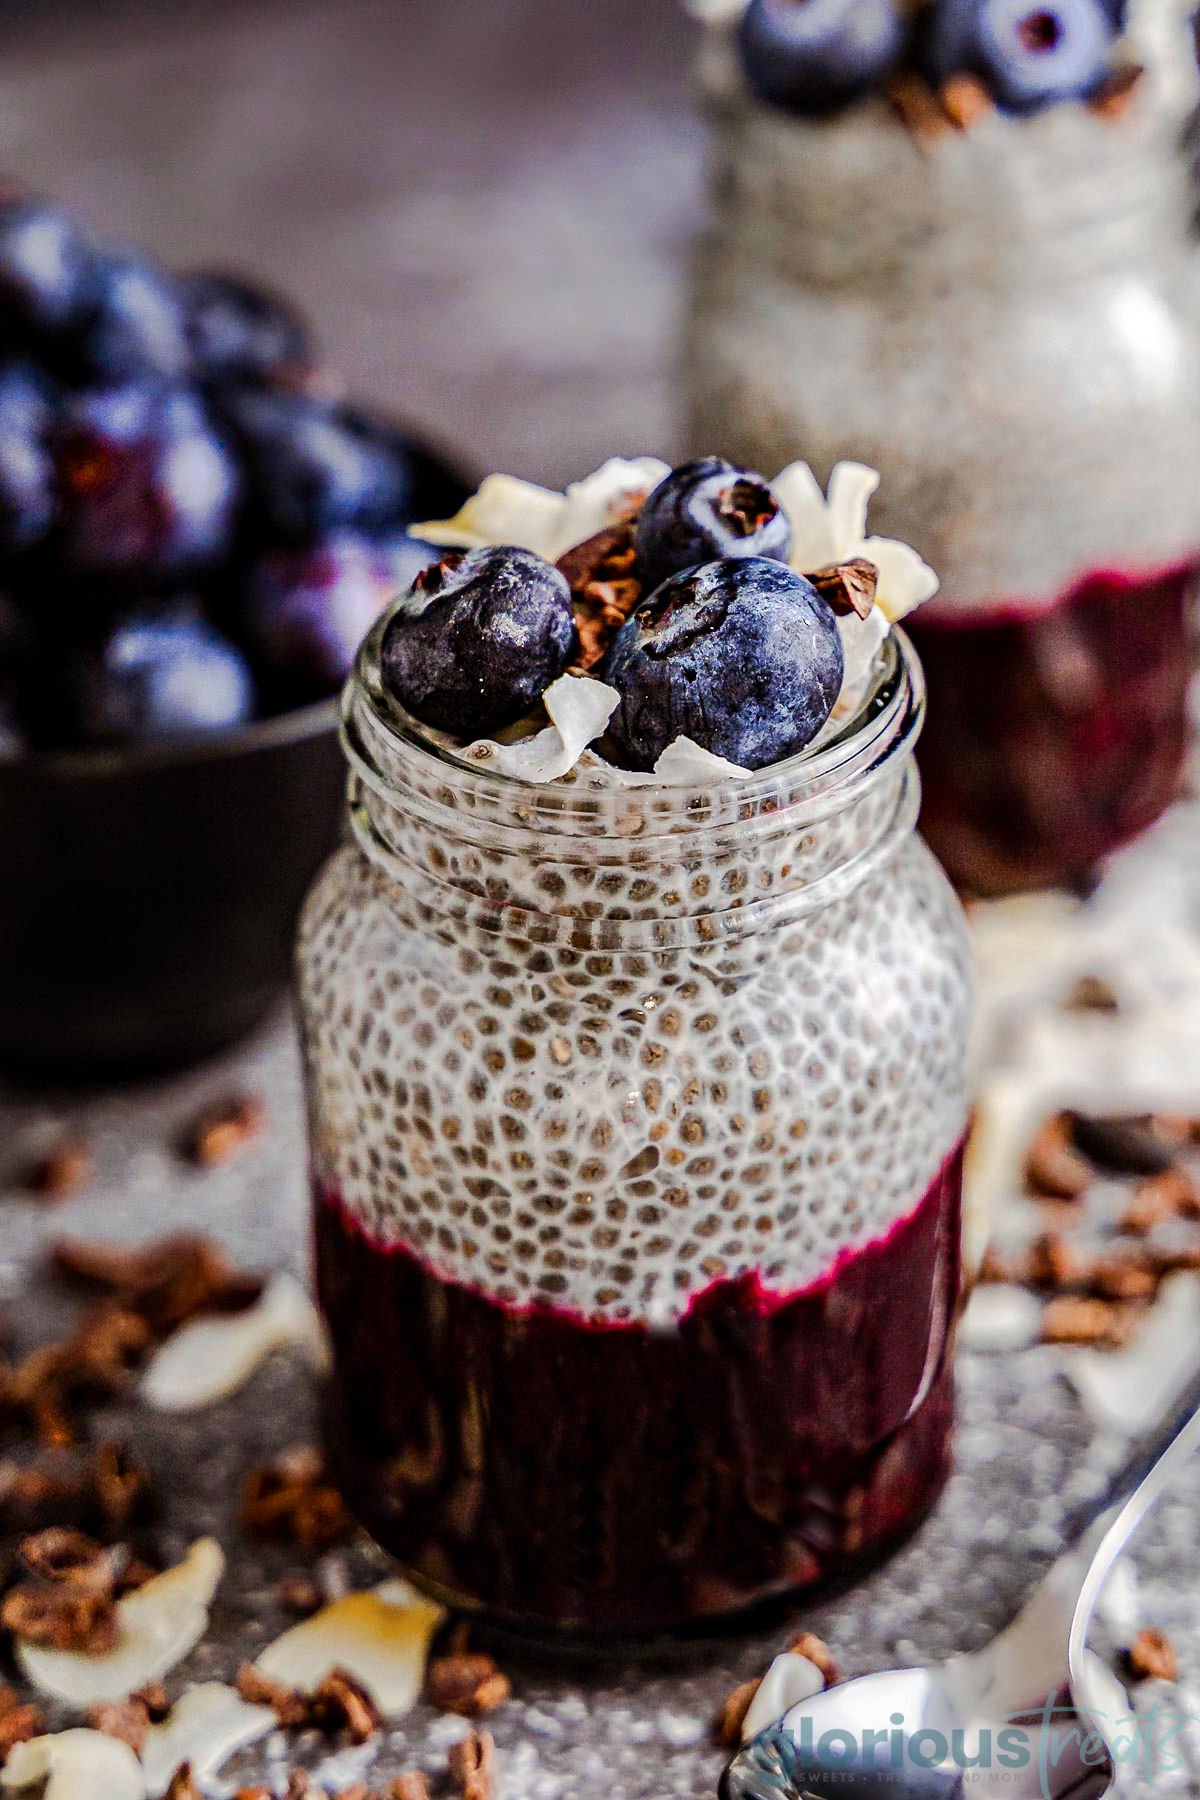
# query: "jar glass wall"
636,1142
1004,322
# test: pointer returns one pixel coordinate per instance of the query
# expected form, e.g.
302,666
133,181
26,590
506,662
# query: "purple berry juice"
1056,733
584,1473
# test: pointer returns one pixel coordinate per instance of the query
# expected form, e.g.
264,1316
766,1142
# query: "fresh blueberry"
26,473
146,488
813,56
137,326
239,331
307,611
313,467
478,639
706,510
47,269
743,657
163,678
1029,54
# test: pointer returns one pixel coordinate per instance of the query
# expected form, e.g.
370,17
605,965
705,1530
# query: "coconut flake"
76,1765
580,709
834,530
790,1681
685,763
504,511
211,1358
1000,1318
381,1637
208,1725
508,511
158,1625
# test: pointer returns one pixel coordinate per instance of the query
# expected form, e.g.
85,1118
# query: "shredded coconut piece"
212,1357
208,1725
76,1765
381,1637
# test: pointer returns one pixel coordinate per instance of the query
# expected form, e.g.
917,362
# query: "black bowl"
149,899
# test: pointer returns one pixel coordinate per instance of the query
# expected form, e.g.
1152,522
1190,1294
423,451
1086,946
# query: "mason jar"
1004,323
636,1138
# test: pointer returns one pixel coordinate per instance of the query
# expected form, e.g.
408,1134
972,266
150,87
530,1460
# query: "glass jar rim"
885,725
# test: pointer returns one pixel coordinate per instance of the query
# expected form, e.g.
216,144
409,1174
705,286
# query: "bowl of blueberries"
196,532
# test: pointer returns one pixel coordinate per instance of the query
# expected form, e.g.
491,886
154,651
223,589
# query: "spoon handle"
1142,1459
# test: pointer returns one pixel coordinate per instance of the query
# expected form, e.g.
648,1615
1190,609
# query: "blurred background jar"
1002,318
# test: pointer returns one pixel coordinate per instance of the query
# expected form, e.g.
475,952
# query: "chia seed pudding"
637,1100
1003,319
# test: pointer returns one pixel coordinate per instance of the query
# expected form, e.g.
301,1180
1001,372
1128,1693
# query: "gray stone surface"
632,1732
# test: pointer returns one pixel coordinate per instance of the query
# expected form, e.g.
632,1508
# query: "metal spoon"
1017,1720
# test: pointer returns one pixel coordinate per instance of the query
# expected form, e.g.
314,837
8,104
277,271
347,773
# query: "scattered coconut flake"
1000,1318
208,1725
76,1765
580,708
212,1357
381,1637
1131,1390
861,641
158,1625
790,1680
834,530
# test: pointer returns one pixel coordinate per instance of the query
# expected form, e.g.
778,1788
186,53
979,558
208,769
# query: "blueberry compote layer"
1055,734
561,1473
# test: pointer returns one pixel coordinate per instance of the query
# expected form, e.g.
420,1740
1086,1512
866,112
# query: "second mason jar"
636,1131
1004,322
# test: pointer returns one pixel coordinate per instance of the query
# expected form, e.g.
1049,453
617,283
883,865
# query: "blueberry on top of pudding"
479,638
1029,53
743,657
705,509
816,55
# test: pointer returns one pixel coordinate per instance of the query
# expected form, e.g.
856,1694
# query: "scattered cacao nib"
1124,1146
997,1269
71,1559
183,1785
605,590
471,1766
1151,1657
849,587
1158,1201
1176,1129
1116,96
1175,1259
165,1283
470,1685
19,1721
95,1362
60,1172
222,1131
1123,1278
128,1720
103,1491
299,1594
1054,1264
818,1653
1091,993
60,1617
412,1786
965,101
731,1715
293,1500
339,1703
918,107
1053,1169
1100,1323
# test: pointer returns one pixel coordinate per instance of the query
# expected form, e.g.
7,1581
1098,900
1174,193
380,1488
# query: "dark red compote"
1055,733
617,1478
